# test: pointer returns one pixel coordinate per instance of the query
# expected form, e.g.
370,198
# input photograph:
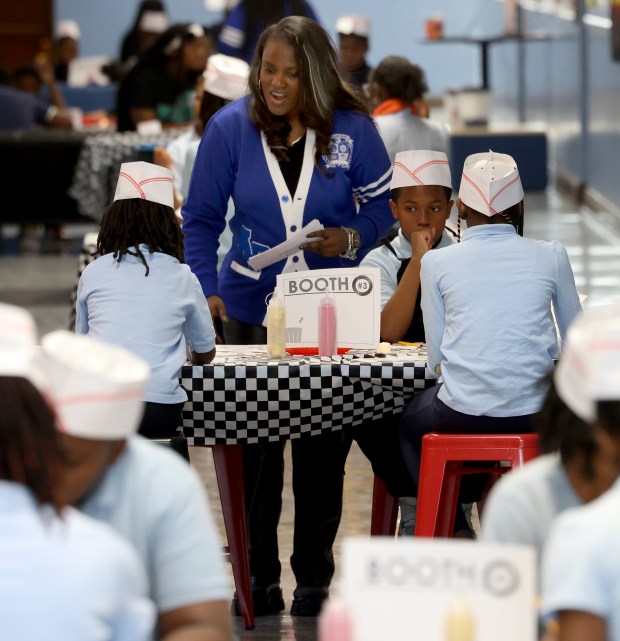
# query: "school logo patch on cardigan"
340,151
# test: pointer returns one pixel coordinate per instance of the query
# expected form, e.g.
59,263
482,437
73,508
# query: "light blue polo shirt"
66,578
157,502
486,304
524,504
581,562
154,316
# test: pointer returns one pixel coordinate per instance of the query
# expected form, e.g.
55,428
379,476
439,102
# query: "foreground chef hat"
420,167
352,25
589,369
18,337
95,388
490,183
67,29
226,77
153,22
147,181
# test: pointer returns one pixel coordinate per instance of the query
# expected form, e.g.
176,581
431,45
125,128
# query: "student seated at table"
142,490
225,79
397,89
523,505
487,310
141,296
66,47
421,190
161,84
64,576
37,79
581,564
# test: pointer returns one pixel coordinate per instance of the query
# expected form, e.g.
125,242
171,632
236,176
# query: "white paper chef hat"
420,167
147,181
18,337
490,183
589,369
353,25
226,77
95,388
67,29
153,22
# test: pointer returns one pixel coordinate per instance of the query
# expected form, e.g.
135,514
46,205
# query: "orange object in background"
434,28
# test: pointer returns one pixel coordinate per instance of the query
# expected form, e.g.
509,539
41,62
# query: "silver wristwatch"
354,243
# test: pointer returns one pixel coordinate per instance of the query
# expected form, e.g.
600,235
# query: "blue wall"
398,28
553,94
552,77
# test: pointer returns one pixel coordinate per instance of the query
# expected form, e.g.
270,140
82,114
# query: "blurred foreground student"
487,307
421,202
581,563
523,505
144,491
64,576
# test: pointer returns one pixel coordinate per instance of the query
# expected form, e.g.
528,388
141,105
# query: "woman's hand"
335,241
218,310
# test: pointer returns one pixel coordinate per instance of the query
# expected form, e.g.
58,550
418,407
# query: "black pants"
427,413
379,441
318,473
160,421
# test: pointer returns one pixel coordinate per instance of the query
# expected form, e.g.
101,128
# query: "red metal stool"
443,458
384,510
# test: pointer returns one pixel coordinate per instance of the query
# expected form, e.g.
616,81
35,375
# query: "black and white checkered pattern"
253,402
96,172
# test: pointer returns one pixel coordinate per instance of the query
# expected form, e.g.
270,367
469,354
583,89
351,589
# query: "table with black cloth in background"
100,159
37,169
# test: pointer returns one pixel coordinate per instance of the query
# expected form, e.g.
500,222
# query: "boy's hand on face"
421,241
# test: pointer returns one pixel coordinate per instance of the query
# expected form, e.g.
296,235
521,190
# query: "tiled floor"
43,284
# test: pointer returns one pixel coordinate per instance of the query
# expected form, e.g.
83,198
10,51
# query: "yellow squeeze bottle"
276,327
460,624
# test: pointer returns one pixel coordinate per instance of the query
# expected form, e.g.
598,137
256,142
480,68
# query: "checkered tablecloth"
96,172
243,397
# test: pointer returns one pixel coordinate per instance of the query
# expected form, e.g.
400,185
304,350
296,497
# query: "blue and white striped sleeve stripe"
232,37
365,193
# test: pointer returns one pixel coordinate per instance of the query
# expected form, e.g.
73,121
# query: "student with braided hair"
487,310
141,296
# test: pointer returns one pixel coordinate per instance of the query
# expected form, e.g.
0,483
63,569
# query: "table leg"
228,460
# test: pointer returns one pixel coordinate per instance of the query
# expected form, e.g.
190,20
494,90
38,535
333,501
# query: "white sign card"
286,248
357,294
417,588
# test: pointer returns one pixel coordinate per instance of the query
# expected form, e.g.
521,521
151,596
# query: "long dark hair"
155,57
322,88
29,450
128,223
400,78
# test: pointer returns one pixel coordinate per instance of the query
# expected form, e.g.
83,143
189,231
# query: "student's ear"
449,208
394,208
461,208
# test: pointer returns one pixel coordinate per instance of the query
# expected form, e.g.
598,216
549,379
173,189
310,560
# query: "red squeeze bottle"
327,326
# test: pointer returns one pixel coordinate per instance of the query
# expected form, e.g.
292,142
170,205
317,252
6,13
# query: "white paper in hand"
284,250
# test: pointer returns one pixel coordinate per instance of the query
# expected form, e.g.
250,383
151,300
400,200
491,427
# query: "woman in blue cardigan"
300,146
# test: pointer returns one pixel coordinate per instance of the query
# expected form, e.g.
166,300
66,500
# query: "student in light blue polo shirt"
63,575
581,562
146,493
141,296
487,309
